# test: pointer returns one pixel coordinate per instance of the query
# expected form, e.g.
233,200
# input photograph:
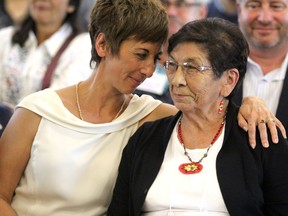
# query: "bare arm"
253,110
15,146
163,110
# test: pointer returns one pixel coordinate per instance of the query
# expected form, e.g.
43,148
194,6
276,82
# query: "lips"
138,81
178,96
265,29
261,28
178,92
40,6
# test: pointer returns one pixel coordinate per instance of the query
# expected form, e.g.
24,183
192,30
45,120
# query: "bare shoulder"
67,96
66,93
24,123
163,110
15,149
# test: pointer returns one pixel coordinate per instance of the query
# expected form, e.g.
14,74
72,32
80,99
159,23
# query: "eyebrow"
195,60
143,49
148,51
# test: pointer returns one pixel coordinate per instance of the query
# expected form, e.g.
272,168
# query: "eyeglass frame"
183,65
180,4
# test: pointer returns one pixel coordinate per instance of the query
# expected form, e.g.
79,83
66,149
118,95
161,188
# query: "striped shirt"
268,87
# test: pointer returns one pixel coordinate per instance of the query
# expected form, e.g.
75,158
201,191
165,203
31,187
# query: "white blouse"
22,69
175,193
73,164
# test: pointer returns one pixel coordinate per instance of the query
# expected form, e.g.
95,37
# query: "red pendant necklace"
194,167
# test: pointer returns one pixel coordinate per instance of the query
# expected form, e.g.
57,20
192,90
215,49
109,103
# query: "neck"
43,32
268,61
98,109
199,133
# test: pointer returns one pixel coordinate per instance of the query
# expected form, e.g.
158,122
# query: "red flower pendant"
190,168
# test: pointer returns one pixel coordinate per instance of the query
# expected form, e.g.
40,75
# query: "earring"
220,107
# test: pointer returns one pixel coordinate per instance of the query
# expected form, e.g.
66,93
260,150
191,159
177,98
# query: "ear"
70,9
100,45
231,78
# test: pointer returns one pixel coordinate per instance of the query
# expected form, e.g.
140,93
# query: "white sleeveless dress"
73,165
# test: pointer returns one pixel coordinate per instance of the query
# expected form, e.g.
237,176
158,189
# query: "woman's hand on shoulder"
254,112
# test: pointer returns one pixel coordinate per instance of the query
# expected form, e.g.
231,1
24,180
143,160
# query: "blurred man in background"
264,24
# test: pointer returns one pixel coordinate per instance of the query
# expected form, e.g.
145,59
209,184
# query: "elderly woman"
199,161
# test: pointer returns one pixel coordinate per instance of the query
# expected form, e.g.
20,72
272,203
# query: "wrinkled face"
193,85
181,12
264,22
50,12
135,62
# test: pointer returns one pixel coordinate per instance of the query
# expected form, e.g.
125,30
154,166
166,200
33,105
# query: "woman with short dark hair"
199,162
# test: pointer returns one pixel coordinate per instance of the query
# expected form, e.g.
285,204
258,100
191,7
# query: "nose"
149,68
265,15
178,78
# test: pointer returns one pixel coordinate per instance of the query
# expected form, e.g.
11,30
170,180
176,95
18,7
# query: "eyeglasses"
187,67
180,4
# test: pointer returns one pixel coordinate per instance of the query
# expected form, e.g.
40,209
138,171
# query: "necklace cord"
80,111
180,138
77,103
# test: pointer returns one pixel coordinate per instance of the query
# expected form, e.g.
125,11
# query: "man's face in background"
181,12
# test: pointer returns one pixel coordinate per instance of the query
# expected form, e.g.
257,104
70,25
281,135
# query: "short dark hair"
118,20
222,40
22,33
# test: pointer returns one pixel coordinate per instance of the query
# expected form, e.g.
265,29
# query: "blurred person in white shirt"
26,51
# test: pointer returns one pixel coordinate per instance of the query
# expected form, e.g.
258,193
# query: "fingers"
273,130
263,133
242,122
281,127
254,121
248,127
252,134
254,112
262,121
271,123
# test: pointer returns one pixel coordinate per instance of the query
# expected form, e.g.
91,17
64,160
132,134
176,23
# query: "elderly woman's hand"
254,112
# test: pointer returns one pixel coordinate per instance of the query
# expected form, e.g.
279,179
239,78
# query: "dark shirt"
215,11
